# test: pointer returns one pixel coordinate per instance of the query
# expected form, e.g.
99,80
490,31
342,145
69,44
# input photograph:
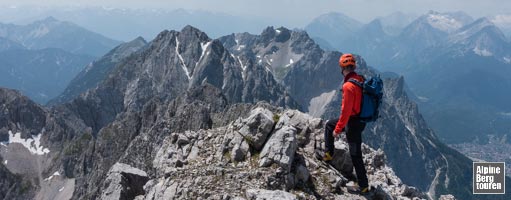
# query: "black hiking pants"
354,130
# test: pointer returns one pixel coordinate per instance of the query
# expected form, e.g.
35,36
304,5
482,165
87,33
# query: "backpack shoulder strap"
357,83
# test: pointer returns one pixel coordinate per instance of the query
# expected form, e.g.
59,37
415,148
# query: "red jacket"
351,100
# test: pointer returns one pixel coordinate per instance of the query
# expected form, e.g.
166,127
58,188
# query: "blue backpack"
372,95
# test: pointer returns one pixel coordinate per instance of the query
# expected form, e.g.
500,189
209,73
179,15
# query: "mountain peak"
333,27
485,21
447,22
432,12
373,28
376,23
193,33
268,31
125,49
337,19
478,25
139,39
190,28
482,34
50,19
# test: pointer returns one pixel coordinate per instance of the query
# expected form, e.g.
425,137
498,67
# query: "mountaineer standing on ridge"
349,120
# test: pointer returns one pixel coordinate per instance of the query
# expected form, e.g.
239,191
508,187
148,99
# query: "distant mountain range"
40,74
40,58
52,33
456,66
118,23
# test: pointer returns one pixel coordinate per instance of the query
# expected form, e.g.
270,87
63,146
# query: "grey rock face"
287,55
256,128
123,182
342,159
447,197
280,148
19,113
9,182
255,194
303,123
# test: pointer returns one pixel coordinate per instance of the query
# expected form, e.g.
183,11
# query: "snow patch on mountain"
183,65
204,47
243,67
240,47
507,114
40,32
443,22
482,52
53,175
290,62
501,20
33,144
284,57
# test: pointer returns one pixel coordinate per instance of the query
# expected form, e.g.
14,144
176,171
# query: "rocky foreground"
268,155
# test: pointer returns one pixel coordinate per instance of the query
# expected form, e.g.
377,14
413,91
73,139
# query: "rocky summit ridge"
267,155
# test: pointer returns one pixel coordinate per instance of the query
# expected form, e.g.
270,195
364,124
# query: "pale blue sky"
296,11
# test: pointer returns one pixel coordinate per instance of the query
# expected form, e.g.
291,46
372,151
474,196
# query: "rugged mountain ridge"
284,53
98,70
170,65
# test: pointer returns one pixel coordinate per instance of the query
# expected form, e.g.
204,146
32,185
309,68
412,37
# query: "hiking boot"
323,156
364,191
327,157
